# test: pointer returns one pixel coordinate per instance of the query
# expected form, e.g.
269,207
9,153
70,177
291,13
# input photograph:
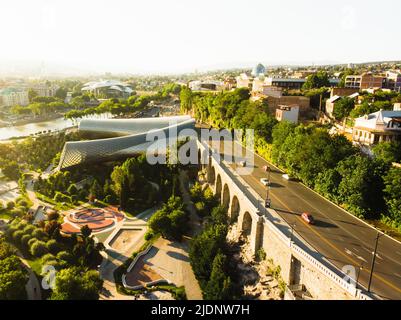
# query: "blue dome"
258,69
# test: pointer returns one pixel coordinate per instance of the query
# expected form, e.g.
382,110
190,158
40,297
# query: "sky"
172,36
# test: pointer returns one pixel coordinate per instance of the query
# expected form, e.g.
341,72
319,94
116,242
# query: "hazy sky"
184,35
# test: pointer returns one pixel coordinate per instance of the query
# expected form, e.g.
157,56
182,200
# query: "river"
53,125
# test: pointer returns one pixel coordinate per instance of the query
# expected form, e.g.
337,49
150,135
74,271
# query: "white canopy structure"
133,138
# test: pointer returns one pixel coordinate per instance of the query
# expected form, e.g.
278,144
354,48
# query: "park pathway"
32,286
113,259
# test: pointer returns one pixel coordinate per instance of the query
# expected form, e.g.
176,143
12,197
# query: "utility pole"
373,261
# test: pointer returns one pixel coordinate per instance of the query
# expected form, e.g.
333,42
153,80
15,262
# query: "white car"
286,177
242,163
265,181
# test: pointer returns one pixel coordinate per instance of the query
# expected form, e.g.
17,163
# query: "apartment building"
365,81
393,80
244,81
293,83
45,90
13,98
259,86
287,113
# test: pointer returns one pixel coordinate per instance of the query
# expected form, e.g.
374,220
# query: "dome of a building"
258,69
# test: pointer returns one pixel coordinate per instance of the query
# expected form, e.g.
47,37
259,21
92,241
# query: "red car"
307,217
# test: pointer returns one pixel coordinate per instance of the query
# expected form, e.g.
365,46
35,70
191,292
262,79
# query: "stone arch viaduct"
300,264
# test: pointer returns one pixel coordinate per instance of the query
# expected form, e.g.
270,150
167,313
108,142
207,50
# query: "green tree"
76,284
61,93
361,186
38,248
204,247
96,190
32,94
13,278
392,193
170,220
388,152
343,107
219,286
316,80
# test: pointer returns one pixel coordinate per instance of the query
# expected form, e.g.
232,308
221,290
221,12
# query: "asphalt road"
337,235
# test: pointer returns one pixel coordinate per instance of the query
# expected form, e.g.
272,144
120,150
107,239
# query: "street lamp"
373,260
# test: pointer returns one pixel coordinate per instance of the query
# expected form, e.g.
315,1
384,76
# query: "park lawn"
35,264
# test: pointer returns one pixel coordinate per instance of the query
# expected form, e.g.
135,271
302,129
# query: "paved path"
179,251
170,260
32,286
113,259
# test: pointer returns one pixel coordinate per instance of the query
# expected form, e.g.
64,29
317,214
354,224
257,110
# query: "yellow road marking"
331,244
339,251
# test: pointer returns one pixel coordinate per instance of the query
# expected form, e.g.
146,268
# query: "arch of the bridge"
234,209
246,226
218,187
226,197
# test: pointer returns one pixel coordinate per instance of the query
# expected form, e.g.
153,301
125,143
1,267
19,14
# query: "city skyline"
176,37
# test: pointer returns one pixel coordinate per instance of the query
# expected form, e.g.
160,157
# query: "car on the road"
287,177
242,163
265,181
307,217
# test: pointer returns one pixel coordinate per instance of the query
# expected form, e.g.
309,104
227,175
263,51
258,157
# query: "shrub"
47,257
18,212
10,205
17,235
25,239
53,215
31,241
39,234
38,248
29,229
22,203
65,256
148,235
53,246
261,254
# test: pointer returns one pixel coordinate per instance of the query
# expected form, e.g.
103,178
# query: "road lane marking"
348,251
343,254
362,258
327,241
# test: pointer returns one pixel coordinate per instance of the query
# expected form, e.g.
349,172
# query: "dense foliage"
13,276
32,153
327,163
208,250
171,220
